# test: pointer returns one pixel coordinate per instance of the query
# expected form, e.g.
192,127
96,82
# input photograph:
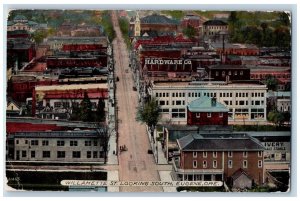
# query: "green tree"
86,113
189,31
39,36
149,114
276,117
271,82
100,114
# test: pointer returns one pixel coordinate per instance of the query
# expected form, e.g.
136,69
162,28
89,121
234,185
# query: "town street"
135,163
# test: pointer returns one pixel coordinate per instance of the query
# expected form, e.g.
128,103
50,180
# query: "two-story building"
57,146
218,157
207,111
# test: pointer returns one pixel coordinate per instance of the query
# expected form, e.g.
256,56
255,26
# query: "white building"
59,146
246,101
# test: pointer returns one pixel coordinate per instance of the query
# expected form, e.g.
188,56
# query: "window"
197,114
245,154
260,164
61,154
178,113
214,164
209,114
241,72
89,154
223,73
17,141
215,154
46,154
76,154
95,143
60,143
245,163
24,154
45,143
221,114
87,143
230,154
204,164
230,164
194,154
205,154
260,154
32,154
235,72
178,102
95,154
26,141
73,143
57,104
194,164
229,72
34,142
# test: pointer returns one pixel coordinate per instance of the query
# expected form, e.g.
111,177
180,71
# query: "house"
13,108
207,111
20,22
217,157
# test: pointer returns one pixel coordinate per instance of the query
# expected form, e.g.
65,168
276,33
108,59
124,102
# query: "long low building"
63,97
245,100
57,146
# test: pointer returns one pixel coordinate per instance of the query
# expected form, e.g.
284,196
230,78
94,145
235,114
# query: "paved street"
135,163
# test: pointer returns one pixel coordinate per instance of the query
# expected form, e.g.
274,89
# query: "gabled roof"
219,142
20,17
240,172
204,104
157,19
215,22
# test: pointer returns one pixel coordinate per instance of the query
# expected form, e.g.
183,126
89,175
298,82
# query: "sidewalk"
157,147
112,158
166,176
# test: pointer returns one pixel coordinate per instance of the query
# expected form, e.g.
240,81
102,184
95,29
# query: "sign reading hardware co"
166,61
139,183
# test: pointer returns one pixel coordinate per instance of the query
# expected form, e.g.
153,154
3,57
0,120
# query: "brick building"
228,72
217,157
214,27
155,22
207,111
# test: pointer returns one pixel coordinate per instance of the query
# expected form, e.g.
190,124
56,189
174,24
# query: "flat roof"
208,84
72,87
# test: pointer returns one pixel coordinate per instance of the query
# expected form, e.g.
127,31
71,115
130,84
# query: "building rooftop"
157,19
61,134
219,142
234,45
209,84
215,23
206,104
72,87
228,67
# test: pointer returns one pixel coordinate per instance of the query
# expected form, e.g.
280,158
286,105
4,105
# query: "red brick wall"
237,163
215,119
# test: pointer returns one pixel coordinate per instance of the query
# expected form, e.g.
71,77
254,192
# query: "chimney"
213,102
